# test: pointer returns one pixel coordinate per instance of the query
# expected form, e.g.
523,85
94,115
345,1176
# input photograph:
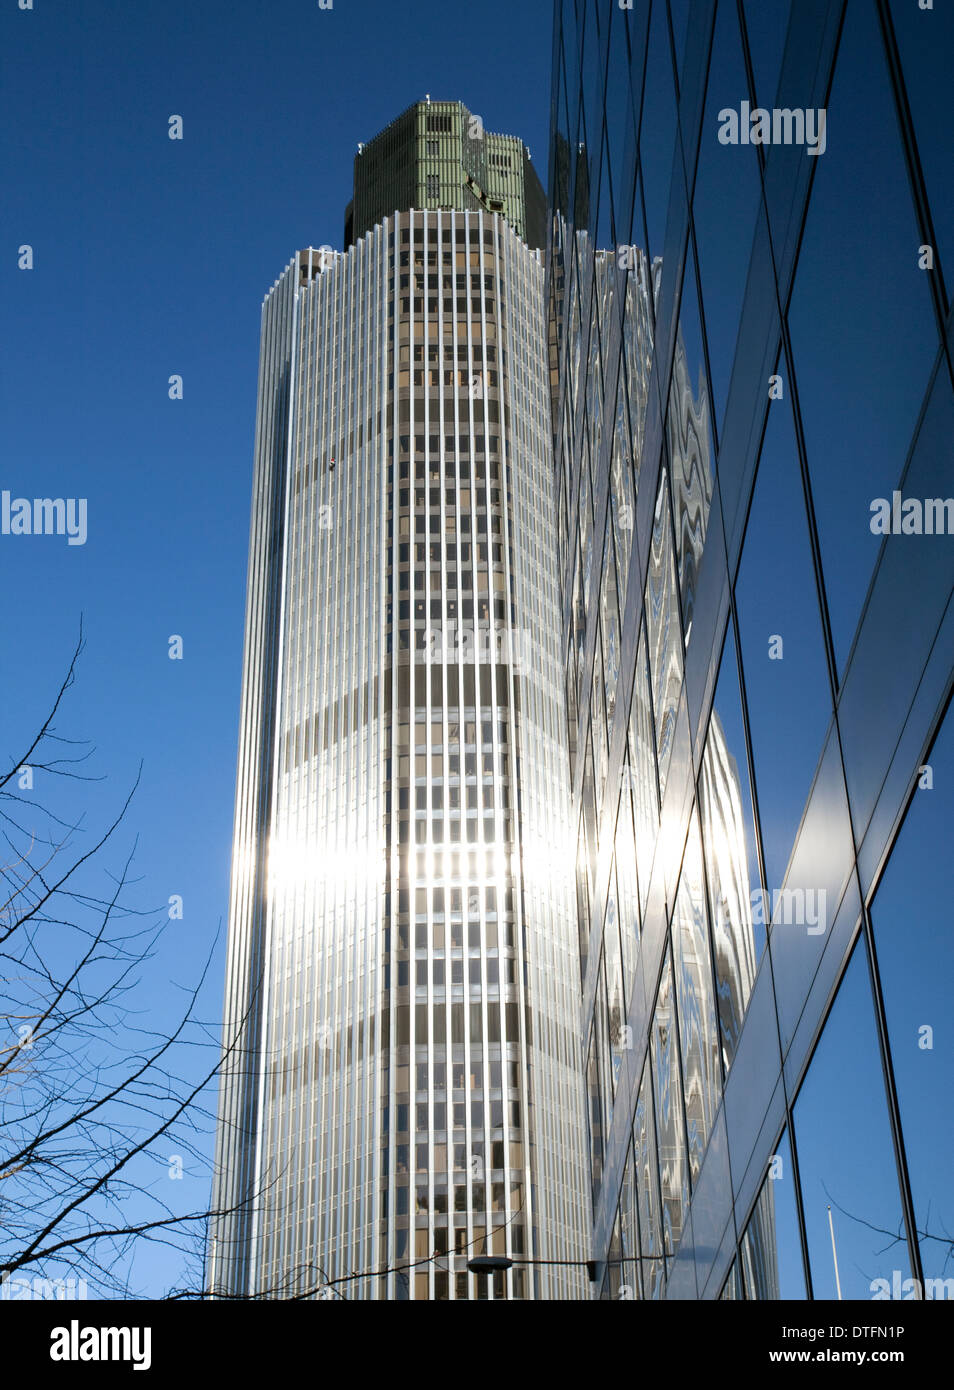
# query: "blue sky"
152,258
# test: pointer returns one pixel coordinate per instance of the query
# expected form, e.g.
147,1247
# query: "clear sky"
151,258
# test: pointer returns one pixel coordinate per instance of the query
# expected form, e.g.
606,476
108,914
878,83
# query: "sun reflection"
296,863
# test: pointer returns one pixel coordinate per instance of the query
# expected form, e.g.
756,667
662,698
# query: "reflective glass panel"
771,1247
725,202
698,1033
786,676
667,1089
926,42
845,1156
647,1189
766,25
665,636
864,336
911,915
658,130
689,436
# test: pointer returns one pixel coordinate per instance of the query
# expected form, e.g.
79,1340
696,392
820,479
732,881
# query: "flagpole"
834,1252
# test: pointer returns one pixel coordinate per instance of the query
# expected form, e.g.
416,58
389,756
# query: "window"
879,346
916,964
771,1250
840,1113
783,659
731,856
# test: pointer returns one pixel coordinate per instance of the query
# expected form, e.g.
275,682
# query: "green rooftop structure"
437,155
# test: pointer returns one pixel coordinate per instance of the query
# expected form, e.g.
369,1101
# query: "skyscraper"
751,352
401,1085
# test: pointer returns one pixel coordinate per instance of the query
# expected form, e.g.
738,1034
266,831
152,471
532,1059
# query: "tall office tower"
437,155
758,658
402,1085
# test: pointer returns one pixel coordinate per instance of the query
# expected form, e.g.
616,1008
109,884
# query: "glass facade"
750,344
402,1082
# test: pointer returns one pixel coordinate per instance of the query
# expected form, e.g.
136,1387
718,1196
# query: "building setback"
437,154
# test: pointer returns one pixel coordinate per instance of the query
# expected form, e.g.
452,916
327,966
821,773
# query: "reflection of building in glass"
401,948
734,1068
696,1019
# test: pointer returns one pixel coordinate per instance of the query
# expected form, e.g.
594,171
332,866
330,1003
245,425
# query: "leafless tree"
97,1111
